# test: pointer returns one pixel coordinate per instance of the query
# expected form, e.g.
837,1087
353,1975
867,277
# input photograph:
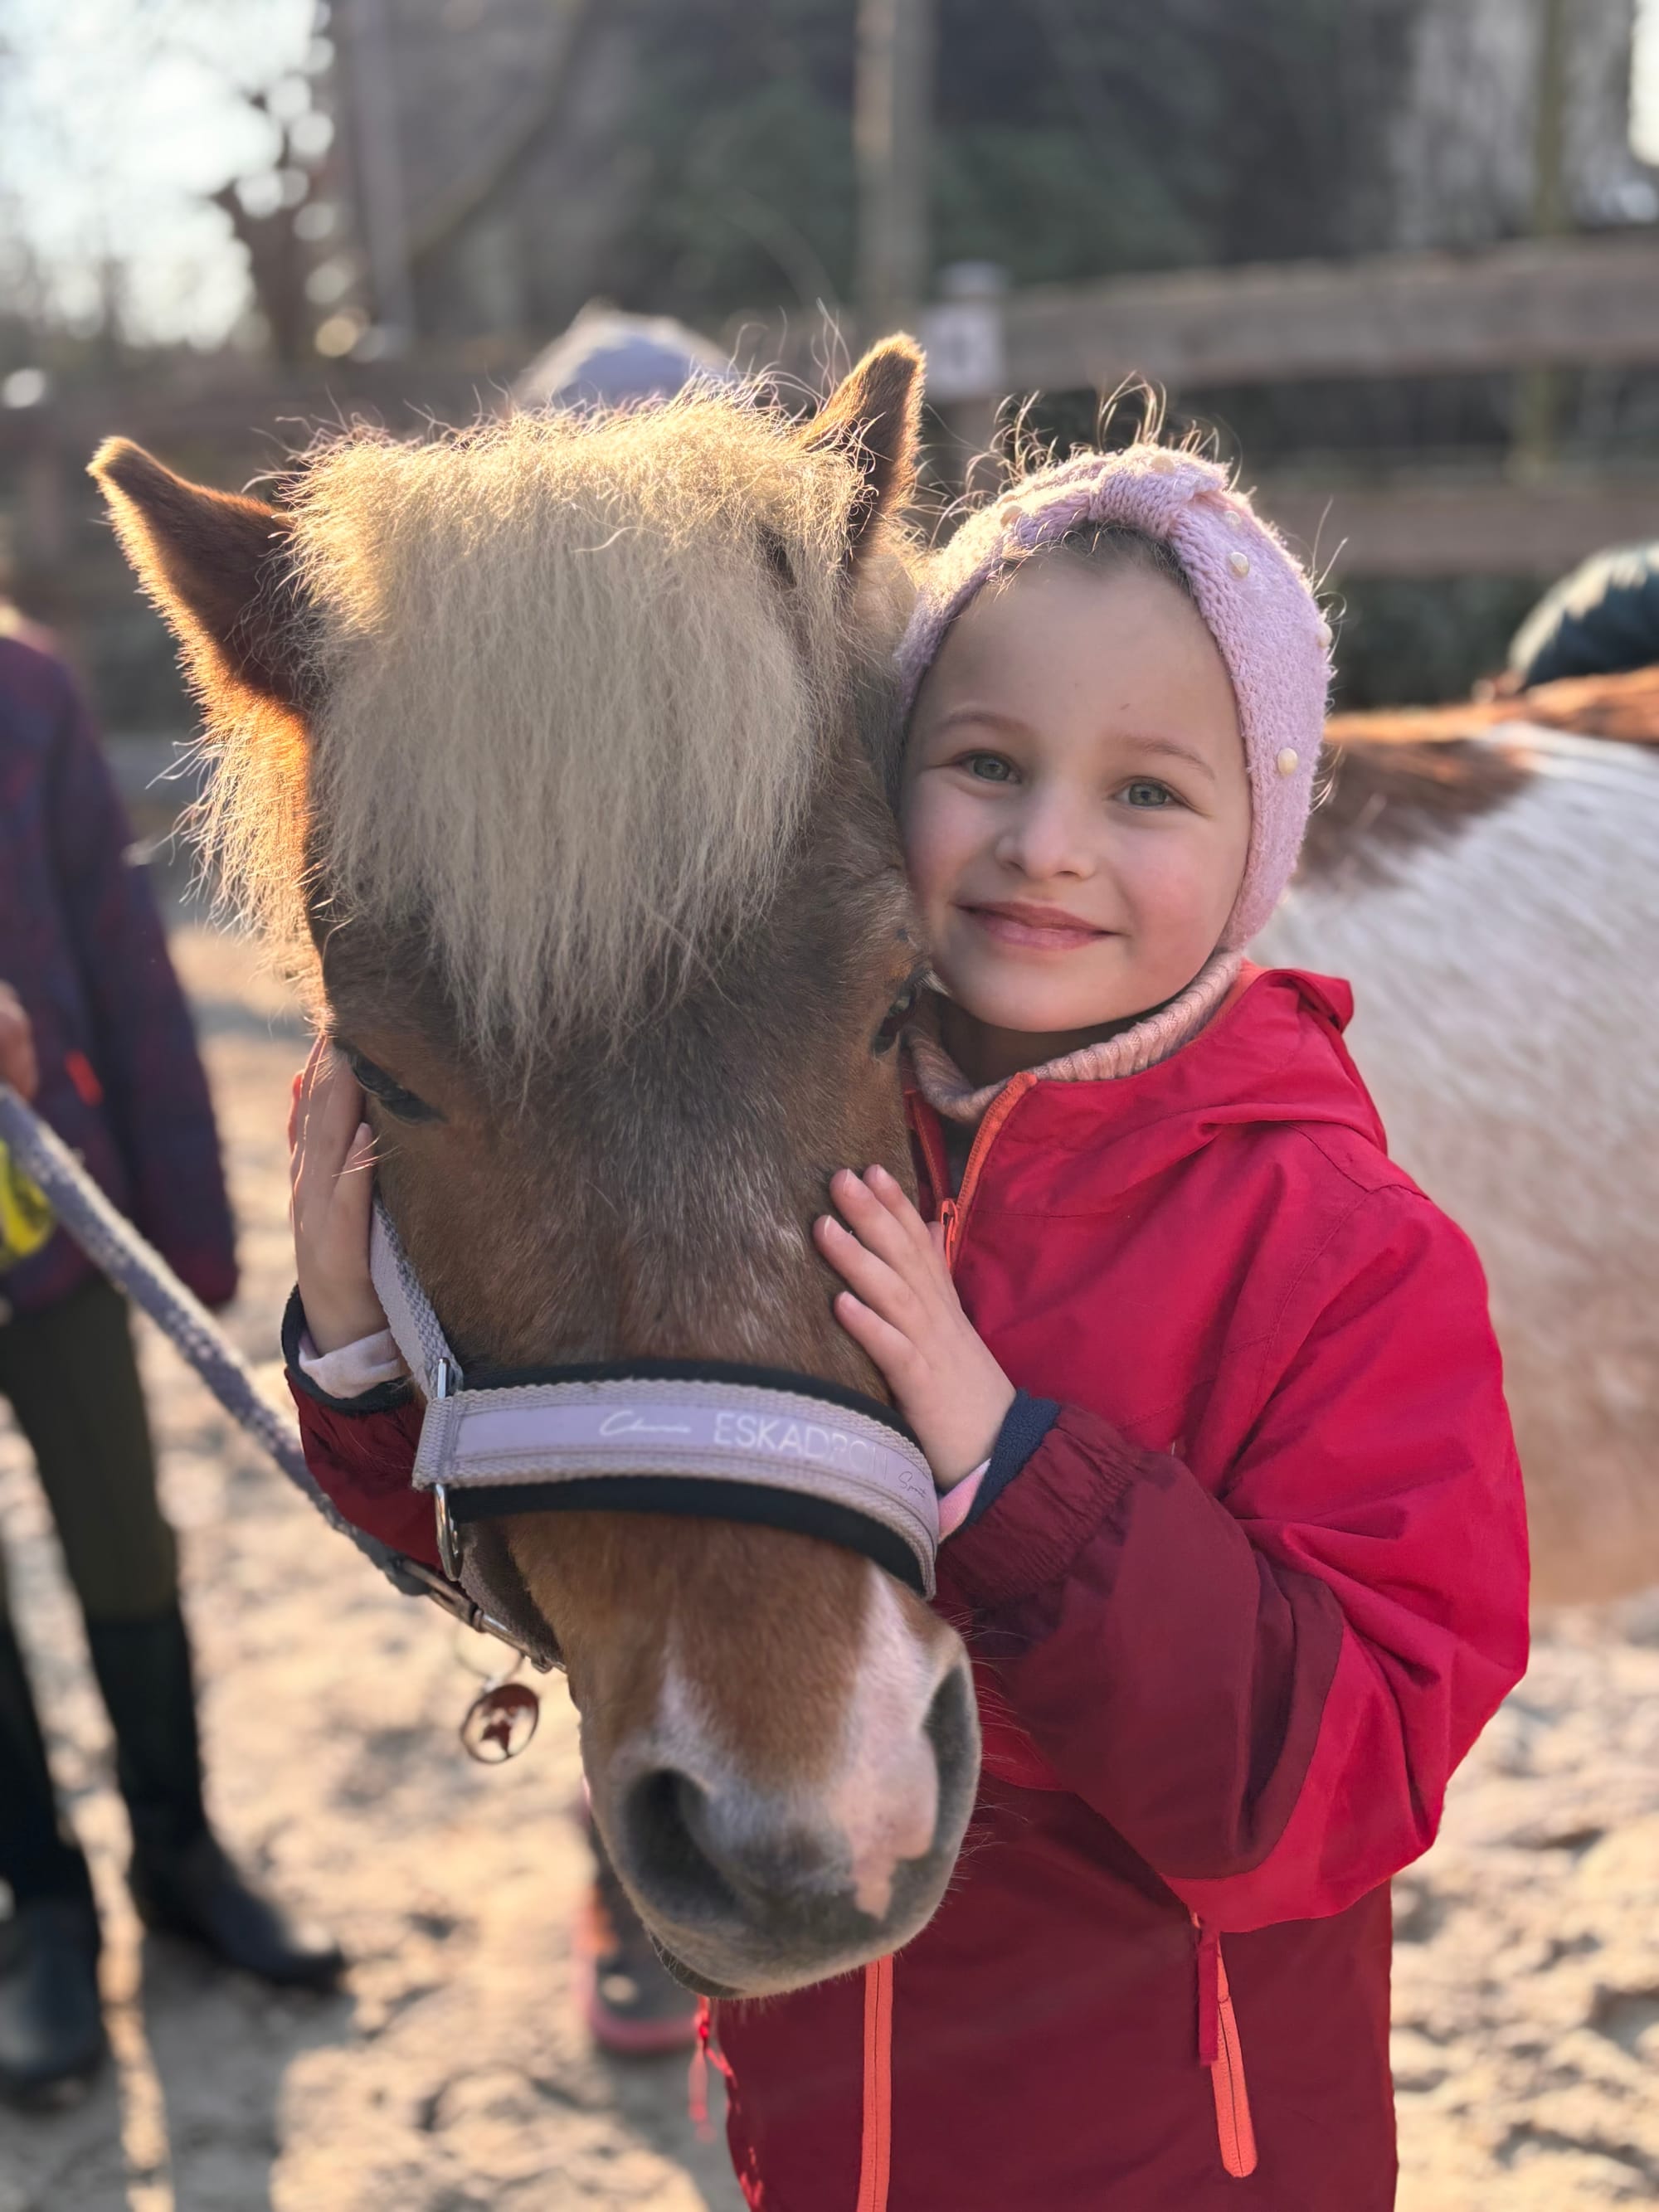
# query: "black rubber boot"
52,2030
39,1858
52,2026
183,1883
143,1670
197,1893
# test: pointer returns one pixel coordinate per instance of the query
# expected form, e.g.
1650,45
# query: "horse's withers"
563,741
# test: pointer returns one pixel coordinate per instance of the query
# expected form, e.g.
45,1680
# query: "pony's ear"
874,417
214,564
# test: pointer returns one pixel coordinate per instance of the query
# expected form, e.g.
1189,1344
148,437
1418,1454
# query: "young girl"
1208,1385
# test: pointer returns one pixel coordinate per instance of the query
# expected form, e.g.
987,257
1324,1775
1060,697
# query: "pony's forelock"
570,700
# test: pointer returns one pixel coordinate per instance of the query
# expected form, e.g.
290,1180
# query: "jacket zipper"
875,2156
1219,2050
1218,2025
953,1211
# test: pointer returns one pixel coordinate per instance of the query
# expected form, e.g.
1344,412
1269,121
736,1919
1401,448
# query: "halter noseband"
699,1437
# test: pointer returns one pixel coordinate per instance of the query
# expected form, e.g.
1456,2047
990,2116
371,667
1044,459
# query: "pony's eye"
386,1088
897,1014
776,555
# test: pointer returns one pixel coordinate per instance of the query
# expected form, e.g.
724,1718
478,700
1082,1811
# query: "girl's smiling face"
1076,811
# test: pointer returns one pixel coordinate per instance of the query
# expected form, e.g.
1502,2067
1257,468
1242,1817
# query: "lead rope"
115,1246
133,1265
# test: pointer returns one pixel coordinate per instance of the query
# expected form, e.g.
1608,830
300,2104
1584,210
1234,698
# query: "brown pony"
1484,876
555,747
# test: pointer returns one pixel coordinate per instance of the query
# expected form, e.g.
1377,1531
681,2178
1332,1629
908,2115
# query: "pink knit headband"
1251,591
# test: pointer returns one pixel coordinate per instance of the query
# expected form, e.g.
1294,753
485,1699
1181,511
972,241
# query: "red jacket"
1246,1578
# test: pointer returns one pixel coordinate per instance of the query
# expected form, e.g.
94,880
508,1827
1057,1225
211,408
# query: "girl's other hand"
901,1307
331,1195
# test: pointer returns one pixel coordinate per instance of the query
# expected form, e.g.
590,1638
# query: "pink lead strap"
875,2156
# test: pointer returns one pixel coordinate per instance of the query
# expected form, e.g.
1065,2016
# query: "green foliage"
1072,138
743,116
1399,640
1027,199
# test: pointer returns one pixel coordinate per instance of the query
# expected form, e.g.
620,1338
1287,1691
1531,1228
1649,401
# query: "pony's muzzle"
752,1892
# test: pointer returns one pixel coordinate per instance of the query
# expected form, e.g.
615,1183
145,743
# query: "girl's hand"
17,1061
332,1192
901,1307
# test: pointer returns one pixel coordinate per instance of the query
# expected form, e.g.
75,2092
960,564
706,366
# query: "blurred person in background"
609,359
94,1027
1600,619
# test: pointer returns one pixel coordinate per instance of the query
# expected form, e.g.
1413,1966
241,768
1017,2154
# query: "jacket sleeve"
145,1059
362,1452
1265,1692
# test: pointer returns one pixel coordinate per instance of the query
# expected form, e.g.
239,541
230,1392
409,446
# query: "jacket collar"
1132,1050
1272,1052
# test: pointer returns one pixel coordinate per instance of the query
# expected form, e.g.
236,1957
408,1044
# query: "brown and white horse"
1488,877
554,748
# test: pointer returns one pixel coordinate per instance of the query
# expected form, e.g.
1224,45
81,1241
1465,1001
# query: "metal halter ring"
449,1544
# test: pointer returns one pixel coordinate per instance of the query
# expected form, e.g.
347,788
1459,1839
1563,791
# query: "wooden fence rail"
1522,306
1416,526
1554,302
1530,303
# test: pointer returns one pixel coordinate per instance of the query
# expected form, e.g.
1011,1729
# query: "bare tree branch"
518,138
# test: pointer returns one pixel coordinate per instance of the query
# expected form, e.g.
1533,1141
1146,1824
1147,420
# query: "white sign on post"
966,357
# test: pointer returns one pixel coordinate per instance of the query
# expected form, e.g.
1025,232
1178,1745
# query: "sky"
116,116
1644,83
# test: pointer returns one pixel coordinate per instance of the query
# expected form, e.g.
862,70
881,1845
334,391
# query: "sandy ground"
453,2074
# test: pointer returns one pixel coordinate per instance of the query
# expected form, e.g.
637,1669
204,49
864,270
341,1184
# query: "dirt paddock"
453,2073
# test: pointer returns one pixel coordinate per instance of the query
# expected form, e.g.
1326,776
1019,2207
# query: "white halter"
784,1450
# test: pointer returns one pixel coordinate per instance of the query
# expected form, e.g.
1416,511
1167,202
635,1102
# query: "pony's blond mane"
569,701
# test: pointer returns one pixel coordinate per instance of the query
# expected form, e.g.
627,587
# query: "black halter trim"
693,1497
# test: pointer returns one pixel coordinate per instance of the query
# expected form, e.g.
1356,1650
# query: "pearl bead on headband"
1251,591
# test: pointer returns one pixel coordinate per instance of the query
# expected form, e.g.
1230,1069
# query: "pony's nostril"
949,1726
665,1825
952,1728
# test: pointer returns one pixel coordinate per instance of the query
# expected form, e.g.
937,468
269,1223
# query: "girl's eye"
1145,791
989,768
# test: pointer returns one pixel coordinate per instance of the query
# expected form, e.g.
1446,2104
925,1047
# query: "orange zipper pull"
1219,2050
697,2078
950,1215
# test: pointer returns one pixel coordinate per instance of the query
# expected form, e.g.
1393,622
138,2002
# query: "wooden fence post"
968,368
892,113
1538,395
